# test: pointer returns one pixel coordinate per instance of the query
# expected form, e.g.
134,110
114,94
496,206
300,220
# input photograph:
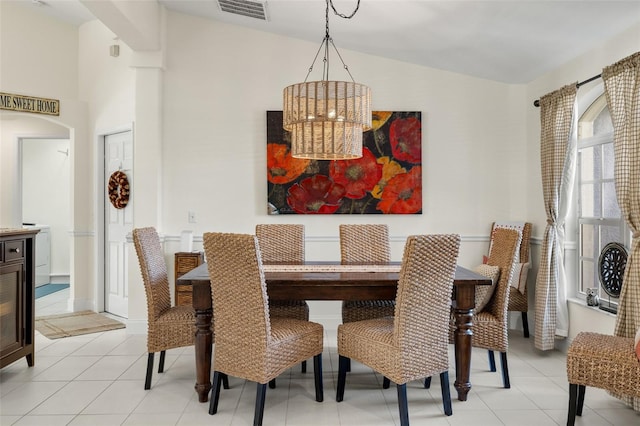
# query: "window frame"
585,123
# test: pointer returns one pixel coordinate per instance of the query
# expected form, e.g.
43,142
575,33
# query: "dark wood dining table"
333,283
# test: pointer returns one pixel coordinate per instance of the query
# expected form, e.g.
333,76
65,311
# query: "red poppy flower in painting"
281,166
357,176
403,193
315,195
406,139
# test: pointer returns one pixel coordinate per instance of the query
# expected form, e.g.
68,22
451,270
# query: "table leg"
463,312
204,339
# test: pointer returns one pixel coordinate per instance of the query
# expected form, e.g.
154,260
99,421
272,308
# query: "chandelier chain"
341,14
329,40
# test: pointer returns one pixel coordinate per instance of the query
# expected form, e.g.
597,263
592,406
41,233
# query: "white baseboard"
59,279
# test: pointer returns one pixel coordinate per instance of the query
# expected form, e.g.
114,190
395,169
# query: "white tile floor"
98,379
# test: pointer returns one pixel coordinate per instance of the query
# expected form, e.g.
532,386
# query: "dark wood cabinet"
184,262
17,295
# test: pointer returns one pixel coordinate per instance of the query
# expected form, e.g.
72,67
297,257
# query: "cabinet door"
11,308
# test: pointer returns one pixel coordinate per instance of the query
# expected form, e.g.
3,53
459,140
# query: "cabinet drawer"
183,295
13,250
185,264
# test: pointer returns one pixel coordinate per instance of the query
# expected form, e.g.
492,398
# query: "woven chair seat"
605,362
174,328
601,361
489,332
371,343
291,342
518,302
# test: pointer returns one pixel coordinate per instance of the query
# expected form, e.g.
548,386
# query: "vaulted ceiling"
511,41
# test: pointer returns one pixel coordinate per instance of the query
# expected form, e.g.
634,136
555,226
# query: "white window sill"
583,304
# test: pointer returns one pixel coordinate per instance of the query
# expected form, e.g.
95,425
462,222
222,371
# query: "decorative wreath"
119,189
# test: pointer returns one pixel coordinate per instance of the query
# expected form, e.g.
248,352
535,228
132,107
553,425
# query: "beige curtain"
558,151
622,87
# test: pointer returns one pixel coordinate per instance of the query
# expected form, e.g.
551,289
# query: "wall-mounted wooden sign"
32,104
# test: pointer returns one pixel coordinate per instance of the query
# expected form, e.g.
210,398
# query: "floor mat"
74,324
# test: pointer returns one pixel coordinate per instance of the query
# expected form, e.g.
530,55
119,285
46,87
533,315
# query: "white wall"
45,195
220,80
39,56
12,127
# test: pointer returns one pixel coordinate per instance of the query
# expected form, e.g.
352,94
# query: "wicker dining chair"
519,301
168,326
600,361
490,326
249,343
365,244
284,243
413,343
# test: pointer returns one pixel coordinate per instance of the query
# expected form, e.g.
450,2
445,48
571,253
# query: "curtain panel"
622,88
558,152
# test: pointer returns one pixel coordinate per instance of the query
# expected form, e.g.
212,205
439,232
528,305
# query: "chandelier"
326,118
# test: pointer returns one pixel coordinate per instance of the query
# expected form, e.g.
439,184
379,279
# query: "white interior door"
118,223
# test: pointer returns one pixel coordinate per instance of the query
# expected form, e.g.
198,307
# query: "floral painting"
387,179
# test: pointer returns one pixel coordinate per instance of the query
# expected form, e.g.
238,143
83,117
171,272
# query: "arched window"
599,218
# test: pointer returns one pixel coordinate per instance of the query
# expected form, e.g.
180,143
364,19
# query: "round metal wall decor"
611,265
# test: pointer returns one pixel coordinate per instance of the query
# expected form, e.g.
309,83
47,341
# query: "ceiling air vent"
252,9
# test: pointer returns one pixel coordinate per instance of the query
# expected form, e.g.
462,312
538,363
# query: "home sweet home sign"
23,103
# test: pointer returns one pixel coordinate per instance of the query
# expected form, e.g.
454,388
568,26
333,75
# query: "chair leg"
492,361
272,384
427,382
348,365
573,394
304,366
261,390
446,393
505,370
225,380
317,376
581,390
525,325
386,383
147,382
161,363
343,364
402,404
215,392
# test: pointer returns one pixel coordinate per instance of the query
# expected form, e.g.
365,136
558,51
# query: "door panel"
118,224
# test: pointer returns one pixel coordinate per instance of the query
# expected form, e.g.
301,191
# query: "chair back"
240,304
503,249
523,228
364,244
154,271
281,243
423,297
